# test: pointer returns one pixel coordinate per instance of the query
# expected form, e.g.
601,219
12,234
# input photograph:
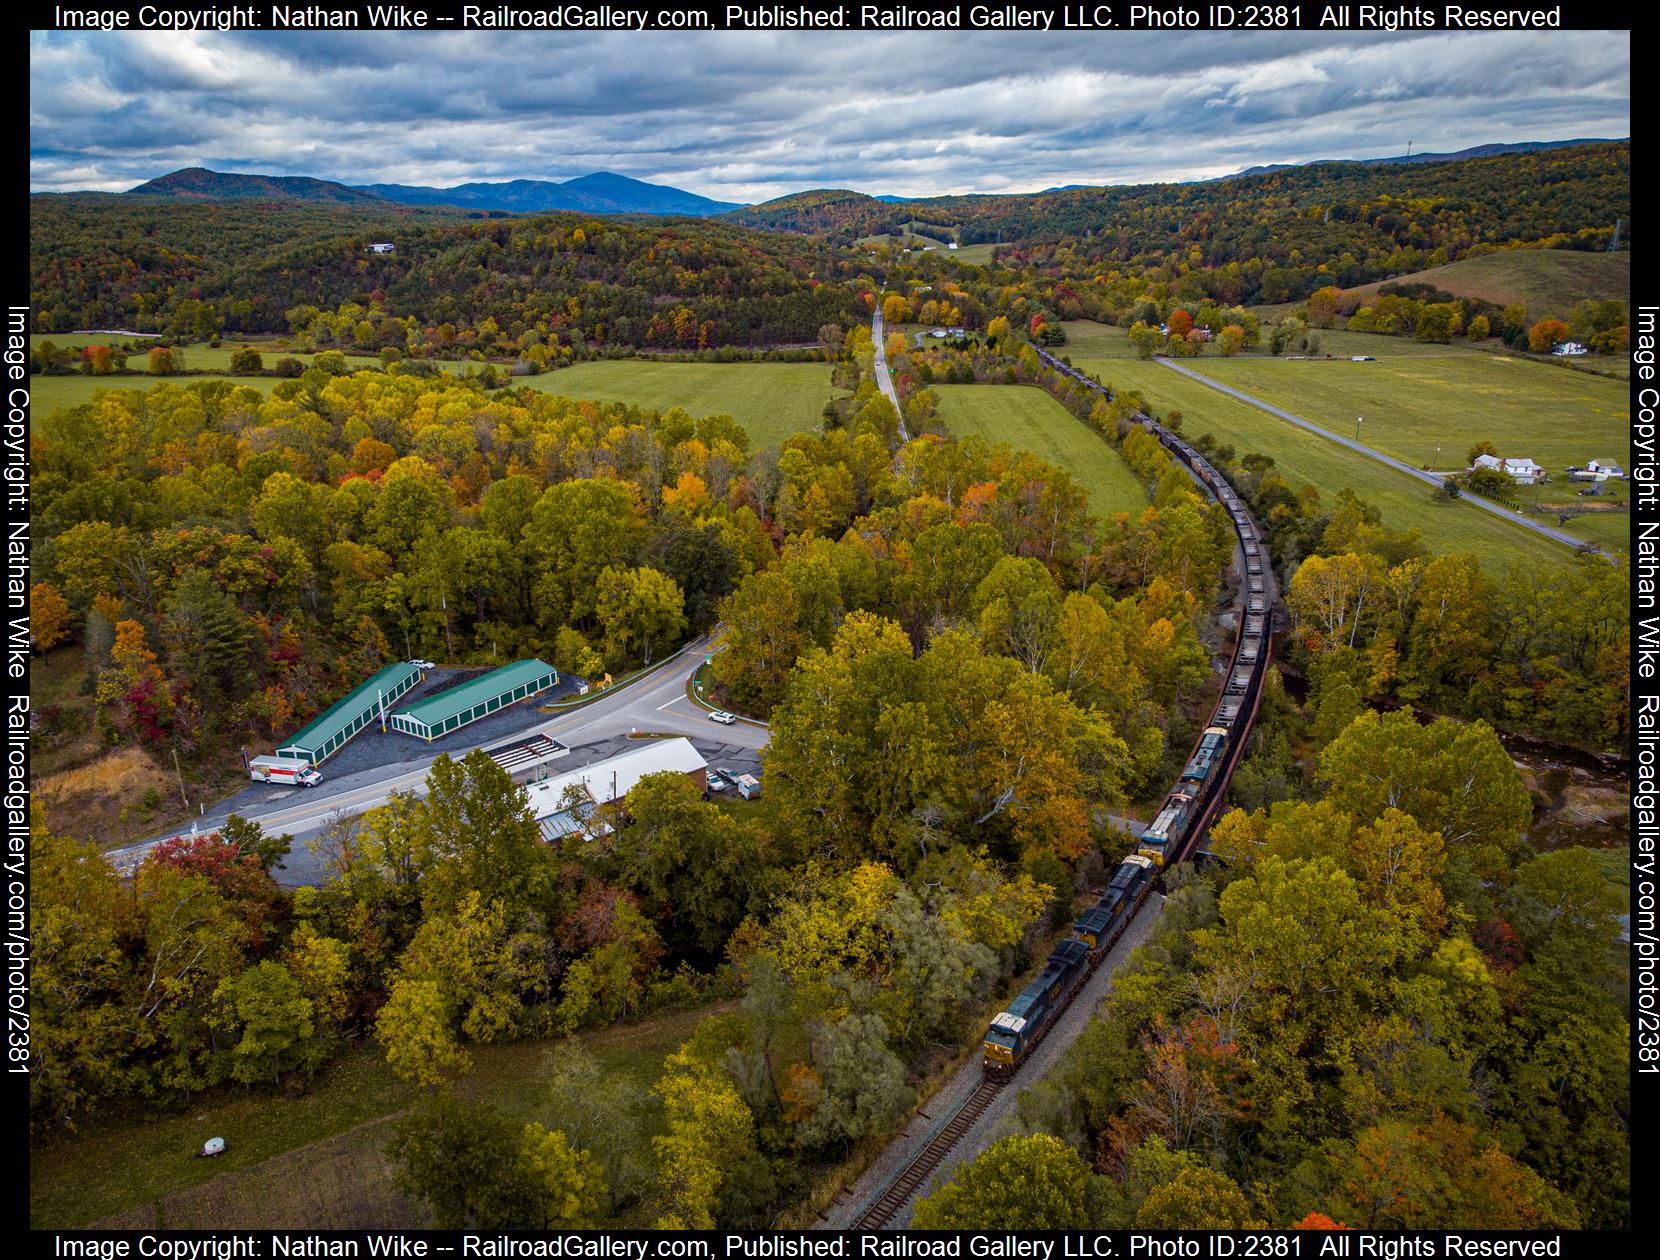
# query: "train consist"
1185,812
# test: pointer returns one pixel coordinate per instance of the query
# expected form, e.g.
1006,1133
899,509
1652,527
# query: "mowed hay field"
1308,459
1028,419
1421,373
770,400
1413,405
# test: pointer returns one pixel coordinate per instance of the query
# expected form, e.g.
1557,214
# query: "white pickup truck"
283,770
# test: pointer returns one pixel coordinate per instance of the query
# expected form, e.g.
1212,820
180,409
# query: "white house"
606,781
1568,348
1524,472
1607,467
951,245
380,247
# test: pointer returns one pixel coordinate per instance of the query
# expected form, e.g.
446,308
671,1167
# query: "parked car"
723,717
716,783
727,778
423,665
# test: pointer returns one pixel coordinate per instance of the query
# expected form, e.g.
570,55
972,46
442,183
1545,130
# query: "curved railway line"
1183,818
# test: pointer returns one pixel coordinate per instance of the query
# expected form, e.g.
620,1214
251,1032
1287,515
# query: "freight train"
1184,813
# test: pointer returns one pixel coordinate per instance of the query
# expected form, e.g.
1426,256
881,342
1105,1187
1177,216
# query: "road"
1432,479
884,382
656,703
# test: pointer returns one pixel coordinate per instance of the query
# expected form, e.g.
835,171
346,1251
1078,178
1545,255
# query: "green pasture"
1027,418
1414,405
1305,458
770,400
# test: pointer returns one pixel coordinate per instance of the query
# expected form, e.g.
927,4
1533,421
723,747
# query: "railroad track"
1252,602
920,1168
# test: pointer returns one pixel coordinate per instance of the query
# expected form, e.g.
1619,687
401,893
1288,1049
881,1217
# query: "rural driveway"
656,704
1485,505
884,382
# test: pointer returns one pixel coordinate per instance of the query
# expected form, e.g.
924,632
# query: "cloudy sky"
745,117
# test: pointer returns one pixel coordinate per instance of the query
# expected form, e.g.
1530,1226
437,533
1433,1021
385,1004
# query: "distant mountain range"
1478,151
599,193
606,193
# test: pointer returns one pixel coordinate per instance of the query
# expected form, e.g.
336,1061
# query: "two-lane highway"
884,382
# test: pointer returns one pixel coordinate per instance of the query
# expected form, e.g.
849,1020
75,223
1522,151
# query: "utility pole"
183,799
1358,419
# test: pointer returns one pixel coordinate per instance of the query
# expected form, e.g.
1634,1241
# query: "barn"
478,697
327,733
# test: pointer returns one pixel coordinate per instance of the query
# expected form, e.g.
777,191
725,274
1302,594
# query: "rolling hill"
1543,280
197,183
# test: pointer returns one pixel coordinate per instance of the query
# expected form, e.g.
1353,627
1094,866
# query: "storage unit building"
489,693
327,733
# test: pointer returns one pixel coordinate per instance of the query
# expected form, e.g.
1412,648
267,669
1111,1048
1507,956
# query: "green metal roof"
446,704
339,715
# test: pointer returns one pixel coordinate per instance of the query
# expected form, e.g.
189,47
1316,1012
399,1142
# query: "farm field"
1308,459
1027,418
975,255
1404,404
1412,405
770,400
317,1161
48,393
205,358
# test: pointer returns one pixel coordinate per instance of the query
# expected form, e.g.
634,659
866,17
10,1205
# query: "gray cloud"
744,117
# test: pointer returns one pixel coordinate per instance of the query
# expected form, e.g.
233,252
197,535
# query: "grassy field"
1412,393
311,1162
1027,418
770,400
1546,281
1412,405
976,255
48,393
203,358
1307,459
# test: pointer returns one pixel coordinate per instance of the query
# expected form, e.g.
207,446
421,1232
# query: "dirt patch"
98,797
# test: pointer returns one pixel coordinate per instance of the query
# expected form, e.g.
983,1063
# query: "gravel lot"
955,1092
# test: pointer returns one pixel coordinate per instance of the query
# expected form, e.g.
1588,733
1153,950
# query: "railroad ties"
922,1166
